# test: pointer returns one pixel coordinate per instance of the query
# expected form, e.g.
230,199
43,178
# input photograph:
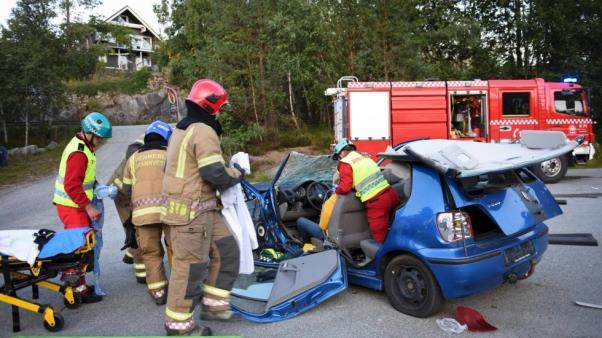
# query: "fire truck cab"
375,115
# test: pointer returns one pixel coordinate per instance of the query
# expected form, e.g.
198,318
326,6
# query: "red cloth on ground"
72,217
345,178
74,178
379,210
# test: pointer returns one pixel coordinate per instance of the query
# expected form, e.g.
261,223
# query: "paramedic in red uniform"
362,174
74,188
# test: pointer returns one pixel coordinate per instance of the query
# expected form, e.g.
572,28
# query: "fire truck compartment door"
369,115
466,159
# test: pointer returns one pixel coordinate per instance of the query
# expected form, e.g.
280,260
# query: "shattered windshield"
301,168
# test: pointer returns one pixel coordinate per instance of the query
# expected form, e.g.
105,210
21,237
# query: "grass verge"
124,84
28,168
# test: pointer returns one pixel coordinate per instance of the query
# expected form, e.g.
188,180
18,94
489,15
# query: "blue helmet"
97,124
159,127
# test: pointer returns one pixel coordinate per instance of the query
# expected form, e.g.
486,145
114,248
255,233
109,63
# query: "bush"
238,139
134,83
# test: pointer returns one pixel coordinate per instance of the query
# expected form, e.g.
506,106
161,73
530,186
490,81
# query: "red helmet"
209,95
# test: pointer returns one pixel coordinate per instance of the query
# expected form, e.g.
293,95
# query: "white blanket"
19,243
239,219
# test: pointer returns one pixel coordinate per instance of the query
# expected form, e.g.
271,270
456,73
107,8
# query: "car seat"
348,227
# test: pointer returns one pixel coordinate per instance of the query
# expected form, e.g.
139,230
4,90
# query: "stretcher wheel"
77,298
59,323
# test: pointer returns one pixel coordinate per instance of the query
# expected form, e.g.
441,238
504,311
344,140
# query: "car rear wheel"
553,170
411,287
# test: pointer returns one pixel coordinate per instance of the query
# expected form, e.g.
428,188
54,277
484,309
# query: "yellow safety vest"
367,178
60,195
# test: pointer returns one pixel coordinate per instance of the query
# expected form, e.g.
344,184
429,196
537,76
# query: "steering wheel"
317,193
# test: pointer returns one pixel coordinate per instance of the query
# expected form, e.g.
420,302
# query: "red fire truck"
375,115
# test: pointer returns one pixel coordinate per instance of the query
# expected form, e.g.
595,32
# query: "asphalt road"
539,306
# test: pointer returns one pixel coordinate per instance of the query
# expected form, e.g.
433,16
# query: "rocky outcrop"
125,109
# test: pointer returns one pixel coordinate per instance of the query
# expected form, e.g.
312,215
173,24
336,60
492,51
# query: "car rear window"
478,186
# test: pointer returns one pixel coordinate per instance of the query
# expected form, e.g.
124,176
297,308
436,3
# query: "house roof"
135,15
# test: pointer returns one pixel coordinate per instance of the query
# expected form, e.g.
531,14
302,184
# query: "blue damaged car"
467,223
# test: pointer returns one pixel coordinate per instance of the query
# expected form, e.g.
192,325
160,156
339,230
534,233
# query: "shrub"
235,138
134,83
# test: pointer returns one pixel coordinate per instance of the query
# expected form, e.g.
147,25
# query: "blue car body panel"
303,302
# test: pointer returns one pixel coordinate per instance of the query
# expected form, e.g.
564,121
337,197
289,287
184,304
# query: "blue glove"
113,192
103,191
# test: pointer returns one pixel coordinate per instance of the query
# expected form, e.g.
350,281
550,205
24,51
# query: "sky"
144,9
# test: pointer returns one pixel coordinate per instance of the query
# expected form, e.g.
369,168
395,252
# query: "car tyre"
411,287
553,170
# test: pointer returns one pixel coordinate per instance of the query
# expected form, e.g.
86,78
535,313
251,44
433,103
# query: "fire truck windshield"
569,102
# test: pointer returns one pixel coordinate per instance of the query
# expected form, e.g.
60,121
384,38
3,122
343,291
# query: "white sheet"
238,218
19,243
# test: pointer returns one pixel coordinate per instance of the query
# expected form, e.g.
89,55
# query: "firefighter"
194,174
143,182
74,189
124,210
362,174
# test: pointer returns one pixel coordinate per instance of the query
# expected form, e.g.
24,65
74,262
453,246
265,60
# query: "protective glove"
103,191
130,235
239,168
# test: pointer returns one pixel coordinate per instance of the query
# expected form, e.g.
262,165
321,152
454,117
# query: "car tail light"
454,226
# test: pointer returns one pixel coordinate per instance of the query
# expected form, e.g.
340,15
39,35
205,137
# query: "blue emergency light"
570,80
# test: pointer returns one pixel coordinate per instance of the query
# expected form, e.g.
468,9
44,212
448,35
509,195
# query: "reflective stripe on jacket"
367,178
144,172
186,192
60,195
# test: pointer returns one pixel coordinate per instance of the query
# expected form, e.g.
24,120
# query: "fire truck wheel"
552,171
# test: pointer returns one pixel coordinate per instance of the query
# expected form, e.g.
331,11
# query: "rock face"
126,108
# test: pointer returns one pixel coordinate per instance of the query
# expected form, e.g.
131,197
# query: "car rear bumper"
485,266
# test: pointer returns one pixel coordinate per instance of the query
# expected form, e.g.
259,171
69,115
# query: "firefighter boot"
159,296
187,328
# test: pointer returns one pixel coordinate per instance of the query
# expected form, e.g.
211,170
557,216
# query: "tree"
31,64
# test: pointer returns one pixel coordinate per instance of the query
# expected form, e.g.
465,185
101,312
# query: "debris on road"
451,325
573,239
473,319
590,305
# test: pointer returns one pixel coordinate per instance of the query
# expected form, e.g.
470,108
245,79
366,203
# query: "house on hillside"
143,41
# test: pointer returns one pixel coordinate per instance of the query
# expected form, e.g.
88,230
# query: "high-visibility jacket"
144,172
368,181
60,195
186,194
122,202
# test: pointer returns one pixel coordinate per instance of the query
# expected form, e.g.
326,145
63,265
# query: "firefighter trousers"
151,250
124,210
204,244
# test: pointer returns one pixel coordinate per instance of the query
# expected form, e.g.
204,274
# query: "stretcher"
67,249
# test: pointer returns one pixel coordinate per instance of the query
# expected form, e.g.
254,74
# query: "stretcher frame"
19,275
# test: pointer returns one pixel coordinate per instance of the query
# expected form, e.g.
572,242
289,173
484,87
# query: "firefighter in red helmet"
205,254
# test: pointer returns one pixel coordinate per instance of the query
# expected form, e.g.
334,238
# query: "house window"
123,18
516,104
112,61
